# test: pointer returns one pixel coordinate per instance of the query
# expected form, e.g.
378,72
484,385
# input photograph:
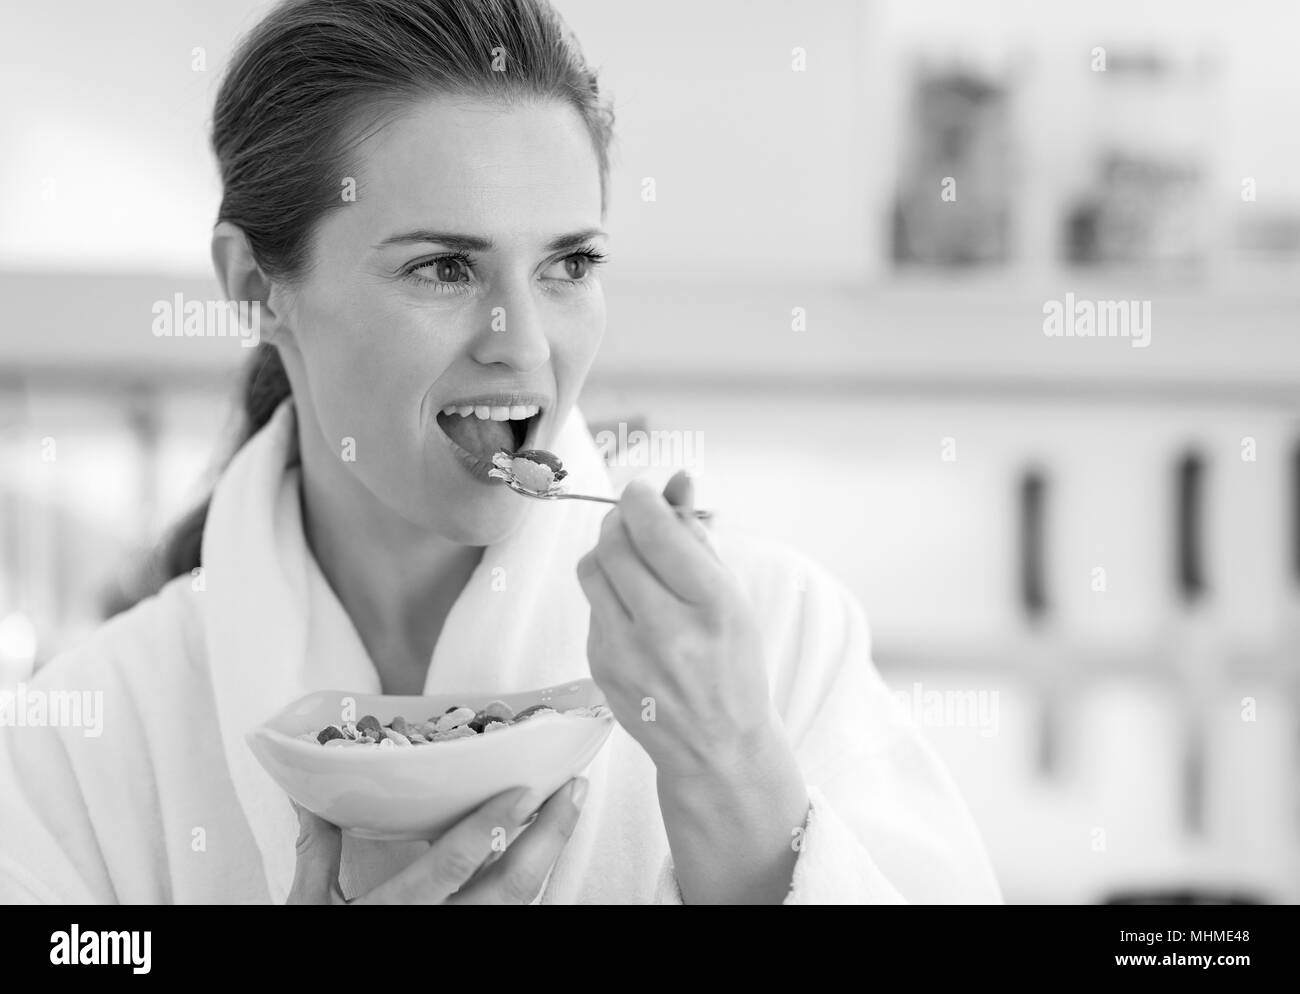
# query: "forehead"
480,167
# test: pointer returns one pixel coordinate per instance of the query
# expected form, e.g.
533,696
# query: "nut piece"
459,732
328,733
369,726
536,709
455,719
498,709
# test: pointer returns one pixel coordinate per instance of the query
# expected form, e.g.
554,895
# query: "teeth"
519,412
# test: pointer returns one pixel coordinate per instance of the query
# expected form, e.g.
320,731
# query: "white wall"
103,125
761,172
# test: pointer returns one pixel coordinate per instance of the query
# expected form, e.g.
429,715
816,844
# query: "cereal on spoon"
535,470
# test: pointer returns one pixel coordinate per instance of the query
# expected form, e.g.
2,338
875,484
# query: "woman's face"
461,276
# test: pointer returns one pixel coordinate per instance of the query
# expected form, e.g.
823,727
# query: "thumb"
680,491
316,873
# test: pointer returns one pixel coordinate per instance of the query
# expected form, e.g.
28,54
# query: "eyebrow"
475,243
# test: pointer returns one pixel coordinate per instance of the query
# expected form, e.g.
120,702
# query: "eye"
445,269
578,266
449,273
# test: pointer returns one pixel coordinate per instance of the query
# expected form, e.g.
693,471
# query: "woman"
413,195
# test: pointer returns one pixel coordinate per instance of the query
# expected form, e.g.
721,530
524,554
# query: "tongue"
481,438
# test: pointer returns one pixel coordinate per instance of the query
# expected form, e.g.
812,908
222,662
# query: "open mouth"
483,429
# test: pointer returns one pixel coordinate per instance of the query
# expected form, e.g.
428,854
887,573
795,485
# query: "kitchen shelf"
982,333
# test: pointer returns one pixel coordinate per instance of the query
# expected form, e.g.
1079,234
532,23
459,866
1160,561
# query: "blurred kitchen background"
1080,559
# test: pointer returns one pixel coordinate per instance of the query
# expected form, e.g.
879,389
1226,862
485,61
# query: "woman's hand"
676,647
465,865
674,643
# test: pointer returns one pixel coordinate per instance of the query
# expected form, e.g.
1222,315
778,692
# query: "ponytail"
265,387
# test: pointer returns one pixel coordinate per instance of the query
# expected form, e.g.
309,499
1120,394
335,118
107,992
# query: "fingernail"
525,806
578,793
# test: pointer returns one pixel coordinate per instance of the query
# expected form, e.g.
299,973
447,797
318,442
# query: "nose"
513,333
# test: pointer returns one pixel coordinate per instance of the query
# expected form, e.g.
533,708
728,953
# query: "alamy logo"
650,448
25,707
950,708
181,318
1073,318
78,948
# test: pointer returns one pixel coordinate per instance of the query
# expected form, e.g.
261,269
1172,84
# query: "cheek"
370,364
593,324
575,345
346,367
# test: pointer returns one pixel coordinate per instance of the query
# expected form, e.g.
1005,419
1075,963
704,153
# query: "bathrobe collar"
274,631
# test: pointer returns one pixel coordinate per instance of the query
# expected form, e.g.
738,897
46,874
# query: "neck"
396,581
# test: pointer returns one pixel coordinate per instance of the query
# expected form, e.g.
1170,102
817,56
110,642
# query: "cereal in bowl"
457,722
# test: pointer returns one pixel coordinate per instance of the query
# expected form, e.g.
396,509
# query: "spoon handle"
599,500
701,515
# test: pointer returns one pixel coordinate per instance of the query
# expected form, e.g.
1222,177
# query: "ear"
242,279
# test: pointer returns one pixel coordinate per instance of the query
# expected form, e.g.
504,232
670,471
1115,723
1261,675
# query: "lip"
505,398
476,467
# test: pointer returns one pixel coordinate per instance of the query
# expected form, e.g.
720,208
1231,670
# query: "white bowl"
417,793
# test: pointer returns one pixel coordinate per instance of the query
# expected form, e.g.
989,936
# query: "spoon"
506,465
519,489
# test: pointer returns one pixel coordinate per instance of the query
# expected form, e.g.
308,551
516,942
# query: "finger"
517,877
457,854
645,595
672,552
680,491
701,531
604,599
498,850
316,871
705,537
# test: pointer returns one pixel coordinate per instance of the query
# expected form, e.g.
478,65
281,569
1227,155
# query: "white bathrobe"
169,805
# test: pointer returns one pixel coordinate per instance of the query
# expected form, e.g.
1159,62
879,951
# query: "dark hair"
310,81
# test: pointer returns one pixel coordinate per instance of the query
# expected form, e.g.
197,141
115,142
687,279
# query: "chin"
482,521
